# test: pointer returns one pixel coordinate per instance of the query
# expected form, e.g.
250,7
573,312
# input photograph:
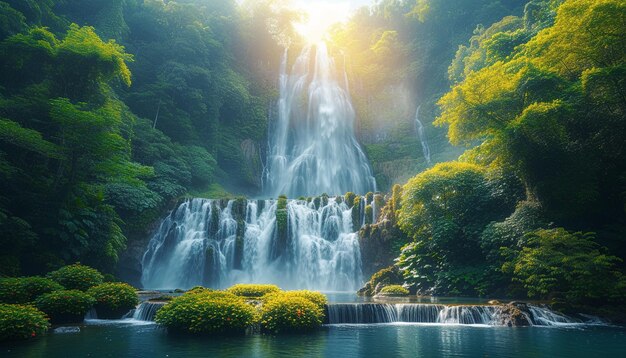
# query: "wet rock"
513,315
66,330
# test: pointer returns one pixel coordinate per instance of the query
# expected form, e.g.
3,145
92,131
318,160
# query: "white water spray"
312,148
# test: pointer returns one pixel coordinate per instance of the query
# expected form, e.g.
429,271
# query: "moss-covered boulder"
386,277
67,306
393,291
113,300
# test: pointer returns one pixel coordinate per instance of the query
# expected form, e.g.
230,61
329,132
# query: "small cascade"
356,313
147,311
367,313
216,243
91,314
543,316
469,315
421,313
421,134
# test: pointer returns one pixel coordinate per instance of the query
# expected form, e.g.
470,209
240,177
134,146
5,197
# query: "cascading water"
422,135
367,313
218,243
312,148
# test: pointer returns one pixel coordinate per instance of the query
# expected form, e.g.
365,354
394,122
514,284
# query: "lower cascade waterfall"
367,313
216,243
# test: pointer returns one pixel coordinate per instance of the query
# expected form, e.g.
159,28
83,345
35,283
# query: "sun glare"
320,16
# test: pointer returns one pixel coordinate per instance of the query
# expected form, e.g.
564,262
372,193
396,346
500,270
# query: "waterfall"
367,313
469,314
312,147
146,311
422,135
217,243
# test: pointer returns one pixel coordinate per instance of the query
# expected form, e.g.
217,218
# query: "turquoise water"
386,340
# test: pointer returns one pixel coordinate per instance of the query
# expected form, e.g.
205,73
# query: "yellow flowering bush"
252,290
318,298
212,312
284,313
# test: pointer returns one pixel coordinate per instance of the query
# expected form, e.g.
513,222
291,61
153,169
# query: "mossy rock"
113,300
349,199
394,291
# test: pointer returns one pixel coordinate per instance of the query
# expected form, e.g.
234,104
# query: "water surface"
379,340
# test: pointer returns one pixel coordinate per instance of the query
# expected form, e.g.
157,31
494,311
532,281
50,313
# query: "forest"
495,132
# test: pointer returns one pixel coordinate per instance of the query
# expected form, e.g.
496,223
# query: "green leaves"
564,265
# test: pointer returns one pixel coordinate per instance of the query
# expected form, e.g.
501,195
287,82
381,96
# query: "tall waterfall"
216,243
422,135
312,148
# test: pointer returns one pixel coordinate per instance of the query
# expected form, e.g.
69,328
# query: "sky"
324,13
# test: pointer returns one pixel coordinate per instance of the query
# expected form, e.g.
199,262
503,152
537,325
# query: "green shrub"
387,276
394,290
214,312
252,290
290,314
25,289
113,300
559,264
318,298
21,322
77,277
68,306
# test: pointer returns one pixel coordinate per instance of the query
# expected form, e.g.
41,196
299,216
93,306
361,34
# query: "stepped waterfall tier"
494,315
295,244
312,147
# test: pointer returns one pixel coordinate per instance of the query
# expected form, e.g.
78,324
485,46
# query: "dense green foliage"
567,266
398,55
290,314
77,277
445,210
25,289
252,290
539,100
65,306
207,312
110,110
113,300
21,322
